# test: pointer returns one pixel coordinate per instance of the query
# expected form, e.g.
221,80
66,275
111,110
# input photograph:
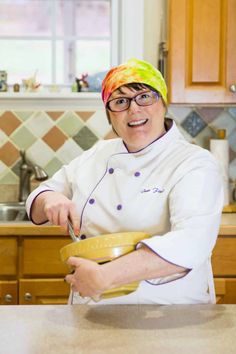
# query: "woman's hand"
88,277
57,209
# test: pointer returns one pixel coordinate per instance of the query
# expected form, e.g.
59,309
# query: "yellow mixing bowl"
105,248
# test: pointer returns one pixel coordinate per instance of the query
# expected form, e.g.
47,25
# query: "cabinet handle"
232,88
8,298
28,297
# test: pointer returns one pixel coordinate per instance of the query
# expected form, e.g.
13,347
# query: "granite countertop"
228,227
178,329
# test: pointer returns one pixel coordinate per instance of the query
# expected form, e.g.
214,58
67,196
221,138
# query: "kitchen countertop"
228,227
178,329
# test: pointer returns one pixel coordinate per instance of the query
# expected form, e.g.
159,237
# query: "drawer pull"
28,297
8,298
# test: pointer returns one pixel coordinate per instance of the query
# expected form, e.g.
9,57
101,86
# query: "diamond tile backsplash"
193,124
54,138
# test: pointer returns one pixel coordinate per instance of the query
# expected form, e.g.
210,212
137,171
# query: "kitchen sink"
13,212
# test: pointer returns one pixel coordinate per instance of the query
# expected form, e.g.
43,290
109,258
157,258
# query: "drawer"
40,256
43,292
225,290
8,292
224,257
8,256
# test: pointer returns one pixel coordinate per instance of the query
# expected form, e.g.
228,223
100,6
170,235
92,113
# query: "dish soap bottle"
220,149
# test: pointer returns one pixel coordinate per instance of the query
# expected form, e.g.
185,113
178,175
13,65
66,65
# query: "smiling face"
138,126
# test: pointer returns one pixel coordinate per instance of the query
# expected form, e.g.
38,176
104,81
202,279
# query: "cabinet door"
43,292
202,51
224,257
225,290
8,292
40,257
224,269
8,256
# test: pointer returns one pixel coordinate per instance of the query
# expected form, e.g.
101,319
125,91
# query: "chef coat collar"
158,144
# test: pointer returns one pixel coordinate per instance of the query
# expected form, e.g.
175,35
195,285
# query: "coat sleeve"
195,207
62,181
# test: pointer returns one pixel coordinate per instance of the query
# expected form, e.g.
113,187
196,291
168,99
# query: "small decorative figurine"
30,84
16,88
78,83
82,83
3,81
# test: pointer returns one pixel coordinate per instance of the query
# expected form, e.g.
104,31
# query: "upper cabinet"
202,51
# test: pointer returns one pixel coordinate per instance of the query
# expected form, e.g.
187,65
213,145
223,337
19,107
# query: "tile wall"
54,138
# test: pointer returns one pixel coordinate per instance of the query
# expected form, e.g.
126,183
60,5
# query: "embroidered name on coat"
152,190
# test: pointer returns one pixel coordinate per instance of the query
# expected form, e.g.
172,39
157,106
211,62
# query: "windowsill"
50,100
49,95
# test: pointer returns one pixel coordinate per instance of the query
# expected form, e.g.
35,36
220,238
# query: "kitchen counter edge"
227,228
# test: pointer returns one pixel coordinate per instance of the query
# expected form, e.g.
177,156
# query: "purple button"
137,174
119,207
83,237
111,170
91,201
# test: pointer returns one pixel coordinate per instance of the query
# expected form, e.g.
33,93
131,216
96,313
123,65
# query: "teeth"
137,122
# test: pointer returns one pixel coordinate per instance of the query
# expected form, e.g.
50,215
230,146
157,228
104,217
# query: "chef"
148,179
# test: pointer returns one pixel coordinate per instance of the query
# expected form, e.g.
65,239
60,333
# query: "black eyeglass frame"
130,99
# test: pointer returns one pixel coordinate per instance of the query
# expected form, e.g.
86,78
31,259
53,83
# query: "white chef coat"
170,189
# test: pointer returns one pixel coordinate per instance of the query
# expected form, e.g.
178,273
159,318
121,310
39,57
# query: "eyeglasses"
123,103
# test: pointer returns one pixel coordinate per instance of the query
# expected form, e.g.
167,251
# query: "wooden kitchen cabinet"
43,291
31,271
8,271
224,269
8,292
202,51
40,257
41,272
8,257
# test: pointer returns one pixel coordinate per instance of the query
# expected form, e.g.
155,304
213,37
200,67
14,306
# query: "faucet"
27,168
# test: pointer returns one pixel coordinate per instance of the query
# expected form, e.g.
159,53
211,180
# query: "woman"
149,179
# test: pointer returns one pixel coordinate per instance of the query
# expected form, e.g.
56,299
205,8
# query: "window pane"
78,30
25,17
93,18
83,18
25,59
92,57
60,70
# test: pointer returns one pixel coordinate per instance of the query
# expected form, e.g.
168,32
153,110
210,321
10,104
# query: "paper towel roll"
220,149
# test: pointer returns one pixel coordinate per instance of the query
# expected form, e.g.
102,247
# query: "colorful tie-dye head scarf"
133,71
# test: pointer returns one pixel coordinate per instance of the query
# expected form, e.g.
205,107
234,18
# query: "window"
62,39
57,40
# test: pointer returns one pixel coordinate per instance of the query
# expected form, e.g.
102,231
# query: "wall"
155,28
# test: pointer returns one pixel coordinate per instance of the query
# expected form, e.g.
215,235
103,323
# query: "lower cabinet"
224,269
8,256
43,291
8,271
31,271
8,292
41,271
225,290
